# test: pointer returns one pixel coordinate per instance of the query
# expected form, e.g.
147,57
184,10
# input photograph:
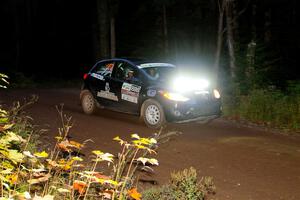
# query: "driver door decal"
107,94
130,92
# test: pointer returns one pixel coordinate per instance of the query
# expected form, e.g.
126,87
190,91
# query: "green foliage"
269,107
16,136
258,66
260,92
10,151
158,193
183,185
293,87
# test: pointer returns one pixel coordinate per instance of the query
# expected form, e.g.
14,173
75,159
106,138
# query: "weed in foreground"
3,80
62,172
183,185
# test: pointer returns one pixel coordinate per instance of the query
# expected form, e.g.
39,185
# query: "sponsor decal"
130,92
97,76
107,94
151,93
126,86
129,98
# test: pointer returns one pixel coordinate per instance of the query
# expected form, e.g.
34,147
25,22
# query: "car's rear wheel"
153,114
88,102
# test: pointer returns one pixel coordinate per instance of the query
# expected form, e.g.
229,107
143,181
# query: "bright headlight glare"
186,84
175,96
217,94
201,84
181,84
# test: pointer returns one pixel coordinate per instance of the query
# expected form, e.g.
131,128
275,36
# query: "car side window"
104,68
125,72
153,72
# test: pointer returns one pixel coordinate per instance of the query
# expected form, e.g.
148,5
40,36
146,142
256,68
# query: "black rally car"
157,92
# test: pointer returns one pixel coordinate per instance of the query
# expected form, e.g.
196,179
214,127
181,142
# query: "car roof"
141,63
148,65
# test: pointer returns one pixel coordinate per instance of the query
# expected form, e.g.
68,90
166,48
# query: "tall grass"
268,107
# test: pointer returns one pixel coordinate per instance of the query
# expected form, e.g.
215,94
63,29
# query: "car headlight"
175,96
217,94
188,84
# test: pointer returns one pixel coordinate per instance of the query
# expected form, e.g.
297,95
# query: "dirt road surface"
246,163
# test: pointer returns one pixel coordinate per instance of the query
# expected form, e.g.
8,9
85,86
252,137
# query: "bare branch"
241,12
238,15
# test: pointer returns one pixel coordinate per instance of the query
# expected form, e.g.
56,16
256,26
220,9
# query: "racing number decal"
103,71
110,66
130,92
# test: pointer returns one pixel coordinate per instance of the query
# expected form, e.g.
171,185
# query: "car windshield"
160,73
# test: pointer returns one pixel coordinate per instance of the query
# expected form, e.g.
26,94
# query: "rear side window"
160,73
104,68
124,71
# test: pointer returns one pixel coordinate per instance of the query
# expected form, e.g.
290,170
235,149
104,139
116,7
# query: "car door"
127,86
100,83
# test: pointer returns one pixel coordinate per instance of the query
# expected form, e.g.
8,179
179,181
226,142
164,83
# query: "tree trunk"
230,38
112,38
165,31
235,24
103,30
268,35
253,25
251,47
219,39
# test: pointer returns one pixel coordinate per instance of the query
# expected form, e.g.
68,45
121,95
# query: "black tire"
88,103
153,114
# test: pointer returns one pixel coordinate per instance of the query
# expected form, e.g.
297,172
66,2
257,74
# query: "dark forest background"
63,38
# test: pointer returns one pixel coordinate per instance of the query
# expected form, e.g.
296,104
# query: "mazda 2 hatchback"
157,92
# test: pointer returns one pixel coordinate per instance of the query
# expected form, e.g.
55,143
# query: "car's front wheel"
153,114
88,103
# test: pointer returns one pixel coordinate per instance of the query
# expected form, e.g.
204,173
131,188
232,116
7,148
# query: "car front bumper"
181,112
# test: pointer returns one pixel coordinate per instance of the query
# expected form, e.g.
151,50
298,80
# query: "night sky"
56,38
